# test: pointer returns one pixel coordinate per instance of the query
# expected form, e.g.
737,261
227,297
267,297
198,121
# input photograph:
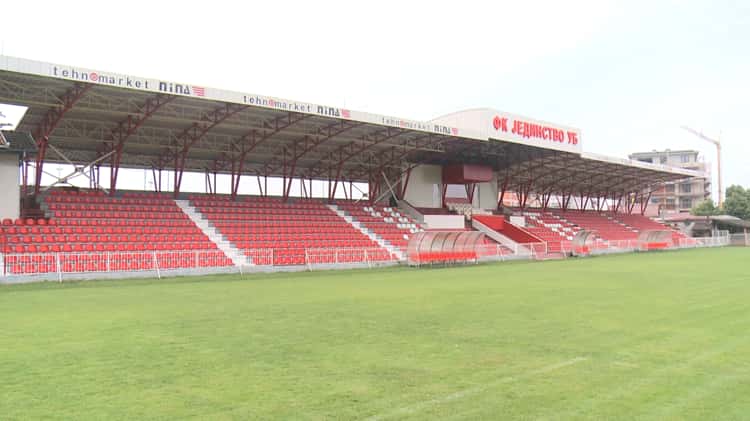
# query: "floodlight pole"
718,156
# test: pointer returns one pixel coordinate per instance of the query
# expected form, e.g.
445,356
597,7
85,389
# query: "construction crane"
718,155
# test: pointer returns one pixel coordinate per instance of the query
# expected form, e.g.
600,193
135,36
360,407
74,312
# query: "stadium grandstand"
391,190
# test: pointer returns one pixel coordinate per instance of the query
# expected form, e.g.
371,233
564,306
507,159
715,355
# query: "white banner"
519,129
80,74
498,125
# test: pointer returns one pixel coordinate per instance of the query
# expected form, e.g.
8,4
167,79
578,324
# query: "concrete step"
374,237
232,252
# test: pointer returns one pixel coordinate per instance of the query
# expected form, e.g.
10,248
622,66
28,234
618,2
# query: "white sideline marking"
413,409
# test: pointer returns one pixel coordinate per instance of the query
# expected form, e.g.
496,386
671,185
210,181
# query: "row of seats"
109,247
117,214
250,213
99,229
92,222
104,238
280,232
275,228
350,256
606,227
385,222
250,206
40,264
112,207
443,257
301,256
64,200
642,223
293,242
19,222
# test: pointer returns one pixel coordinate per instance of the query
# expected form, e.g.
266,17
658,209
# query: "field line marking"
417,407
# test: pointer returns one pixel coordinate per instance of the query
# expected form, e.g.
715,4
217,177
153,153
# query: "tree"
705,208
737,202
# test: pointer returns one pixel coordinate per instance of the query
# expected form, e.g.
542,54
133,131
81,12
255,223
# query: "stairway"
232,252
364,230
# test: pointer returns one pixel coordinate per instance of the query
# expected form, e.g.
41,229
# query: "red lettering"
500,123
573,138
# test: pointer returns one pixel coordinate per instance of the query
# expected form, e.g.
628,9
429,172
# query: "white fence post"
156,265
59,267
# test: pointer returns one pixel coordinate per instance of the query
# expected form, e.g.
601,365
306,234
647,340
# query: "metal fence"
740,239
60,264
721,241
26,264
339,256
508,252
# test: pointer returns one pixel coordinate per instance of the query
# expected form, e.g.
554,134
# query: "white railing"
511,251
740,239
343,256
721,241
27,264
59,264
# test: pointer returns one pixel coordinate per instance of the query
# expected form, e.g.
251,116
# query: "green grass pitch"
642,336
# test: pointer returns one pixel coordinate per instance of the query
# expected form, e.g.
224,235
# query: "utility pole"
717,143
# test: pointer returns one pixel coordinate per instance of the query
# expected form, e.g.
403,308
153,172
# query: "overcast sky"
627,73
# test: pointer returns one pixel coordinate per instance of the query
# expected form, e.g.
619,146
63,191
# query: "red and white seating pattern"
386,222
556,232
92,221
96,232
288,229
641,223
606,227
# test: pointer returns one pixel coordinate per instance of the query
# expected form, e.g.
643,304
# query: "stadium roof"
137,122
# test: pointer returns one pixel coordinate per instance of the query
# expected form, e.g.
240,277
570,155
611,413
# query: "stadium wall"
10,206
486,194
423,190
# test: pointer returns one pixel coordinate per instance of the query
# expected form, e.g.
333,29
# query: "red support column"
566,201
288,178
339,168
192,134
373,190
502,191
470,189
127,128
235,167
644,203
48,124
545,205
523,194
404,184
600,200
618,201
632,198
